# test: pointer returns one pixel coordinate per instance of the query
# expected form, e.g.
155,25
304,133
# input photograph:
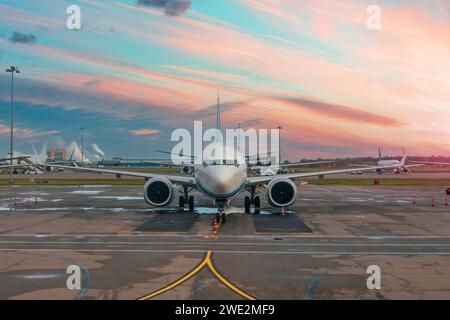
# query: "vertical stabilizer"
402,162
43,154
218,111
379,154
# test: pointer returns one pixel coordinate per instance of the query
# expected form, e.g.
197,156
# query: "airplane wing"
17,165
258,180
296,164
415,165
357,165
406,165
14,158
171,164
10,166
183,180
431,163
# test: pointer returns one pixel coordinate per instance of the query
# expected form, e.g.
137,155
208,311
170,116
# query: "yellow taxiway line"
207,261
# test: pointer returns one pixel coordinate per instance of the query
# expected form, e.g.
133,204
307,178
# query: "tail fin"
34,150
402,162
71,155
43,154
39,158
218,111
379,154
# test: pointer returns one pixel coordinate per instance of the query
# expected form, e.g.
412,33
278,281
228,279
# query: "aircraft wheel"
247,203
257,205
191,203
223,218
181,202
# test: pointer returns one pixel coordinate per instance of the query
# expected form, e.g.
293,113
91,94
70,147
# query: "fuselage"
388,162
221,179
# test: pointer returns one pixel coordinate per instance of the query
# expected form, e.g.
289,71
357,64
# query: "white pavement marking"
232,243
237,252
265,236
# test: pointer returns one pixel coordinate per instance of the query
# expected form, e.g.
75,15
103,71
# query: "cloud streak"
171,7
24,38
341,112
144,132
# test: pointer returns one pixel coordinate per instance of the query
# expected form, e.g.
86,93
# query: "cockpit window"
226,162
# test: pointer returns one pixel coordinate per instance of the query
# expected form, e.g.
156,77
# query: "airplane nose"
222,180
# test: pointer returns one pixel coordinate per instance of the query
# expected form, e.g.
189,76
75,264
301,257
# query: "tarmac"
320,248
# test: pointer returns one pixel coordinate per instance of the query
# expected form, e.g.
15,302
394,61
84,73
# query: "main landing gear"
186,199
252,200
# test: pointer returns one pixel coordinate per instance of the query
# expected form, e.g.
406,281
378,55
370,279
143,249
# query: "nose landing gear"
221,211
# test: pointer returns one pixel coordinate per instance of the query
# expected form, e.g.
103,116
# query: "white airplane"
35,163
220,181
397,166
20,161
12,162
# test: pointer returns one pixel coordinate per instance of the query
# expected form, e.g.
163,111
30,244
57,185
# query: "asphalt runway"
319,249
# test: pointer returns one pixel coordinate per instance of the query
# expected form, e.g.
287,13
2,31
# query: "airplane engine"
281,192
158,192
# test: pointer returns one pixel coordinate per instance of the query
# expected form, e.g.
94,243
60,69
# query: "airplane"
398,166
220,181
35,163
22,162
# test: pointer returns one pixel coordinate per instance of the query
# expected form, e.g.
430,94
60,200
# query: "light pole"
12,70
279,144
82,145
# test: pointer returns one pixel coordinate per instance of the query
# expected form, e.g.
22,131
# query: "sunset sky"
138,69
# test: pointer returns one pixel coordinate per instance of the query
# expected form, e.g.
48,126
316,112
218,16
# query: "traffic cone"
282,211
215,227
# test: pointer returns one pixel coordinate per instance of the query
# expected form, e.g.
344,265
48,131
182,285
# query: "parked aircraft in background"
35,163
396,165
